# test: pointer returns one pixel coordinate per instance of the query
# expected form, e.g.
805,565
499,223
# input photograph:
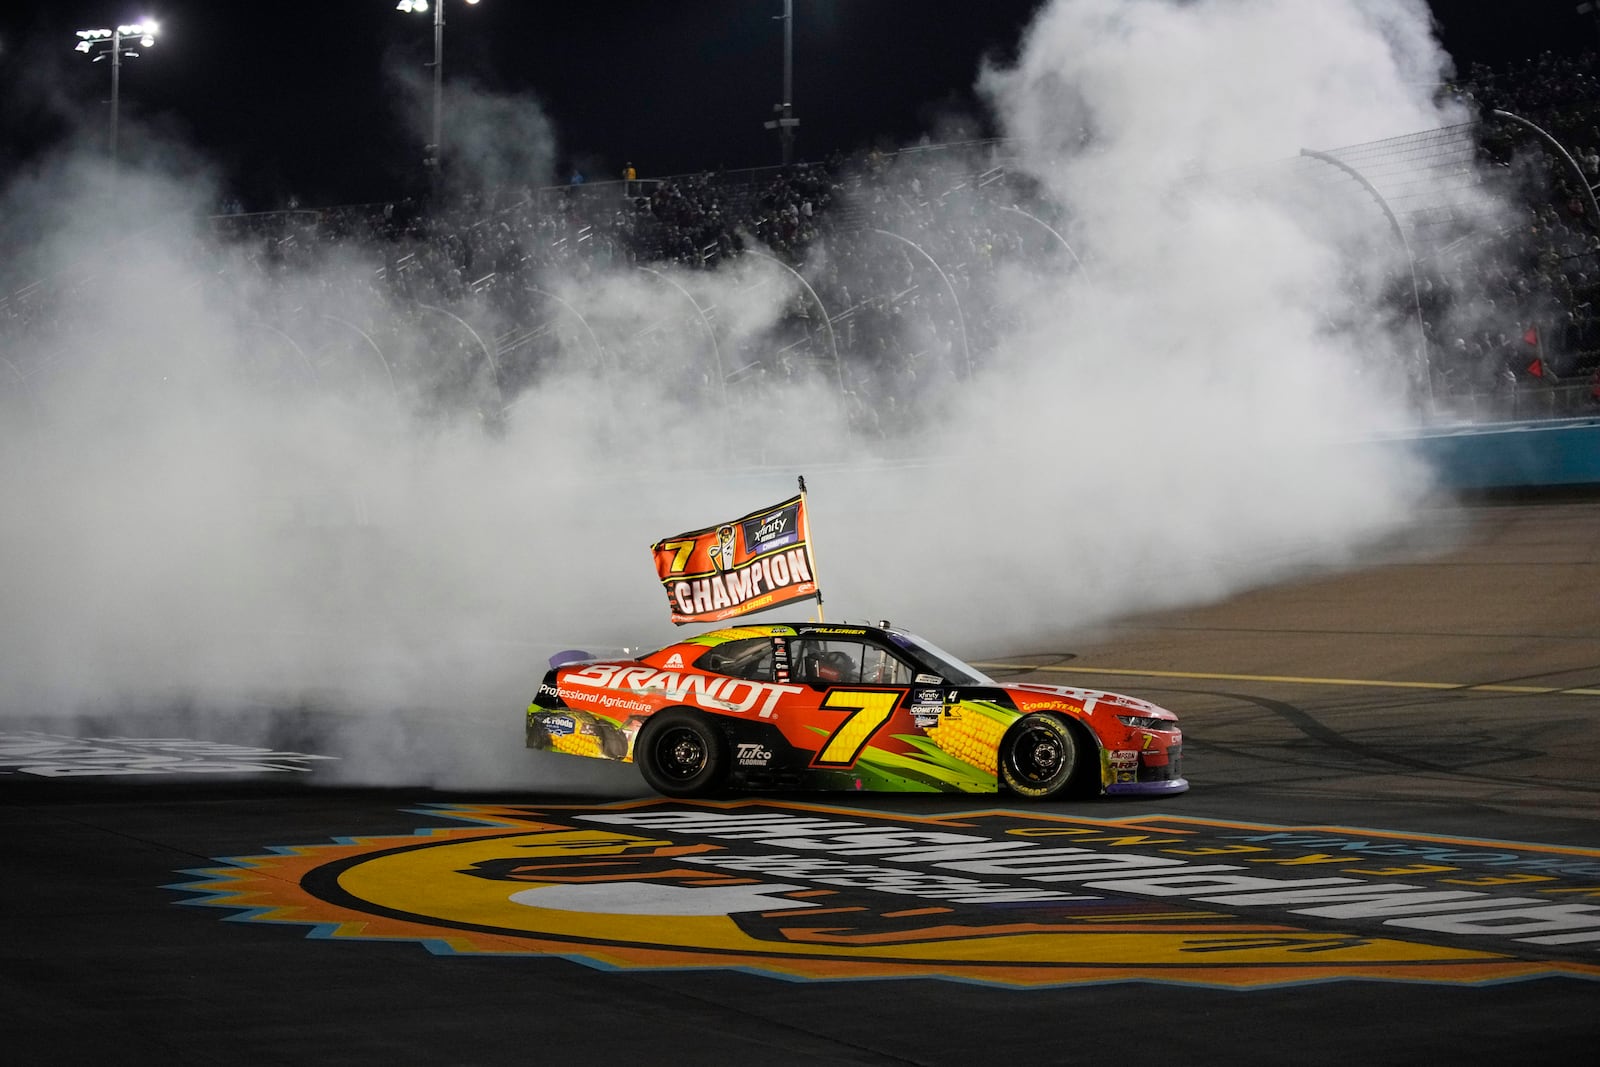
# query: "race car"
811,706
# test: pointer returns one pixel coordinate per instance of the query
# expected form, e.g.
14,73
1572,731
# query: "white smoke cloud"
1168,423
189,524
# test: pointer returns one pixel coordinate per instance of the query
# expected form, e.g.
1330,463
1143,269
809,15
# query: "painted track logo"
997,897
59,756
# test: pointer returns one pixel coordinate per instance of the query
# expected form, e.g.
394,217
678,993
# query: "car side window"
879,666
836,661
750,658
832,661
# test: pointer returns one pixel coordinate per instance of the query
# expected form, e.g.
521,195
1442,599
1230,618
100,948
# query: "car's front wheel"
681,753
1039,757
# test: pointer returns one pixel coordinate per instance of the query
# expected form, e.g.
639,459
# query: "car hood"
1026,694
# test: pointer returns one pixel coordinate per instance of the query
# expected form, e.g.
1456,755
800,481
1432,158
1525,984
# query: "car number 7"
681,551
869,710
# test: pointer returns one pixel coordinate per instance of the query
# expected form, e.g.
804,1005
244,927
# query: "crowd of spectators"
1542,292
881,315
901,295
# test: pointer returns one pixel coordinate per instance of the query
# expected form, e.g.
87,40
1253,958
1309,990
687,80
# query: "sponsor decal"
57,756
605,700
926,716
773,530
1123,759
592,684
1047,705
753,755
558,725
675,662
998,897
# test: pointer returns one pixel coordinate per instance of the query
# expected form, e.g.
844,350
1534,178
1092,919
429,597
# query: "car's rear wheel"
681,753
1040,757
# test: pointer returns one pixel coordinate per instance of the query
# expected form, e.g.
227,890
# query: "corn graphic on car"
816,706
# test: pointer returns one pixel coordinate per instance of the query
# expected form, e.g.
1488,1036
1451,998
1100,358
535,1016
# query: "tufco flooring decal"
805,891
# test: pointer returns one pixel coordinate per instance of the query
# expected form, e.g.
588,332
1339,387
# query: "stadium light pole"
100,43
434,149
786,122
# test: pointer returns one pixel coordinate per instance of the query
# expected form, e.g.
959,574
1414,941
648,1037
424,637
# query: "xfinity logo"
769,529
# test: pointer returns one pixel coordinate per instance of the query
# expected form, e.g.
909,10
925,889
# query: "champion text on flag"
760,561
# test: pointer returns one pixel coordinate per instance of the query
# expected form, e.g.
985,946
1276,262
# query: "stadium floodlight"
100,43
786,122
433,148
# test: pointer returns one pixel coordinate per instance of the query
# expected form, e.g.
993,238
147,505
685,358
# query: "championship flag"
760,561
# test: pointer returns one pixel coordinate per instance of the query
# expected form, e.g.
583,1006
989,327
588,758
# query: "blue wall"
1514,454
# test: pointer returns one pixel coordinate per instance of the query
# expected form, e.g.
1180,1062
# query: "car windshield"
950,668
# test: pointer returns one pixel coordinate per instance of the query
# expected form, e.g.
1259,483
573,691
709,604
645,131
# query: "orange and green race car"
814,706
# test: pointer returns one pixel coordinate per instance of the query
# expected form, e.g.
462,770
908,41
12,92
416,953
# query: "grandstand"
1495,219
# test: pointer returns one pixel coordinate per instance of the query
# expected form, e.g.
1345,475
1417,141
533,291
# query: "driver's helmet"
837,667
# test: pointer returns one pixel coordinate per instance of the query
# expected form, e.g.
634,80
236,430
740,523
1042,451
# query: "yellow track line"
1485,688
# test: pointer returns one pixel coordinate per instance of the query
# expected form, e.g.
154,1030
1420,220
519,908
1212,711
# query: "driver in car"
836,667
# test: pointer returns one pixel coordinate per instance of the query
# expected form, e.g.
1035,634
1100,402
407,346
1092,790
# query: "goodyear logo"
998,897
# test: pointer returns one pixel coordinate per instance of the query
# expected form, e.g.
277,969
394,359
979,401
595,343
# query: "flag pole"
810,551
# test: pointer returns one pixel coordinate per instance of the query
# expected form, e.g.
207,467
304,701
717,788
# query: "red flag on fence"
1536,368
1531,337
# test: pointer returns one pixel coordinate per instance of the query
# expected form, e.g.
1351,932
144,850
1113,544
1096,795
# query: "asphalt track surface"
1448,690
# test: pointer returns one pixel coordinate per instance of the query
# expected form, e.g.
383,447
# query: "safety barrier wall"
1537,454
1509,455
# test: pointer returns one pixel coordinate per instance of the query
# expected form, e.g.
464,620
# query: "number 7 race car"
809,706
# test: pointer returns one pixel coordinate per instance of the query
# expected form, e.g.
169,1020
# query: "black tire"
681,753
1041,757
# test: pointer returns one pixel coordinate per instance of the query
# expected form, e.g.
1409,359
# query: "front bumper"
1152,772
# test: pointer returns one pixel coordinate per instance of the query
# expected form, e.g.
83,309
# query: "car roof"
793,629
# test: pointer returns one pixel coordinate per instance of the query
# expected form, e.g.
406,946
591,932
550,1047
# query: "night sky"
295,96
